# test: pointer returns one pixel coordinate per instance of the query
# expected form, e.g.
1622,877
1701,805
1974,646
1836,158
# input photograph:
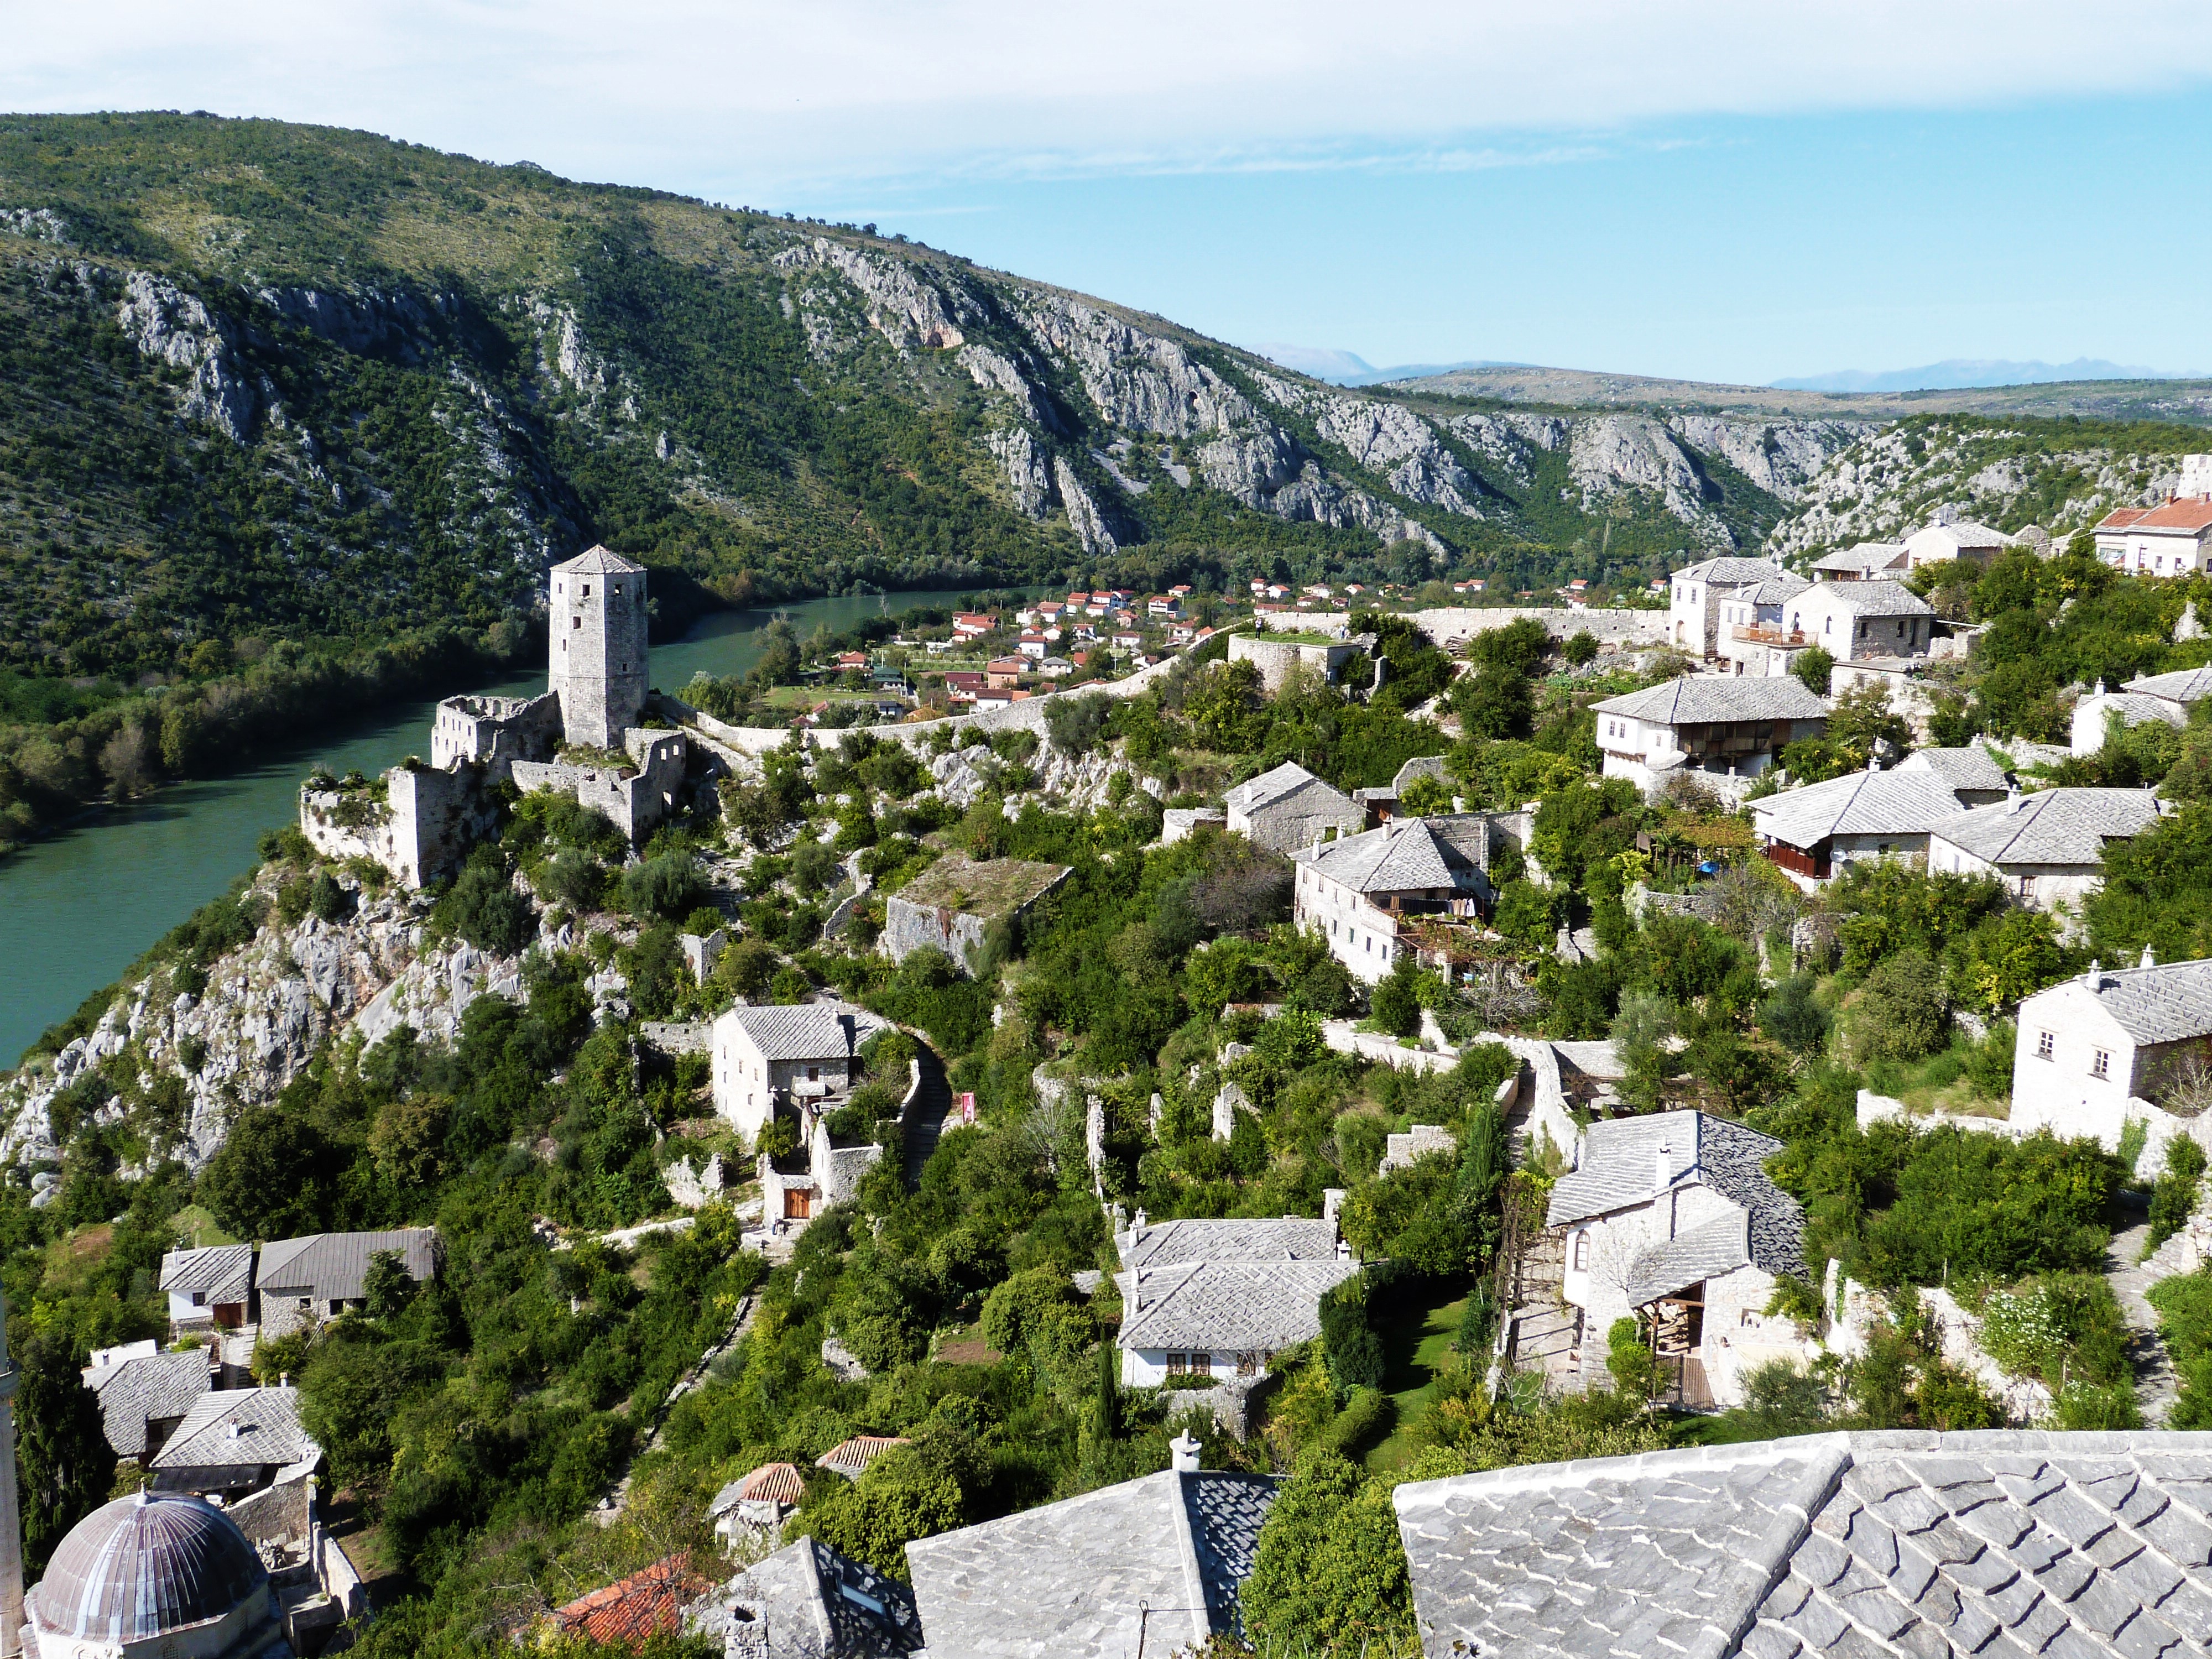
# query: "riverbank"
79,906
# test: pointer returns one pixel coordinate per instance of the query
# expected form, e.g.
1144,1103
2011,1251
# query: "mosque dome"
141,1567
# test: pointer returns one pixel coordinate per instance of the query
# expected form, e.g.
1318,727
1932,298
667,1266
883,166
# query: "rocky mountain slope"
2062,476
268,380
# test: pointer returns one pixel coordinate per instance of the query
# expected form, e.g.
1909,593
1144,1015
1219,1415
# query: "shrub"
483,906
2174,1196
1792,1017
1328,1578
1396,1001
1900,1013
1813,667
1630,1362
665,888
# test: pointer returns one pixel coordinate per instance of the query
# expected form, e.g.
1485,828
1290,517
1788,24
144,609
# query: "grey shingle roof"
809,1030
1913,1542
1166,1244
2052,826
1226,1305
267,1421
1705,699
150,1388
1972,768
1707,1251
808,1601
1402,857
223,1272
2134,707
1269,789
1856,804
598,561
1730,572
2183,685
1877,599
1865,558
1069,1580
2168,1003
334,1267
1620,1170
1777,590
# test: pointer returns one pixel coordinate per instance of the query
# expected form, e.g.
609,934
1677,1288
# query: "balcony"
1761,635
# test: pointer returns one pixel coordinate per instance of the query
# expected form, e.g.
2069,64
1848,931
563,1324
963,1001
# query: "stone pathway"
611,1506
924,1123
2130,1277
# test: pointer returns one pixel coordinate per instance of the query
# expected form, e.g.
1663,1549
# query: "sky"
1712,189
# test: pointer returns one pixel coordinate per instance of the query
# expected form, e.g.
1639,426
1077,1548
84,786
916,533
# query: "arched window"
1581,1252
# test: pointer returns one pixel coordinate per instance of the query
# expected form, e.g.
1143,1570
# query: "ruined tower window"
575,622
587,590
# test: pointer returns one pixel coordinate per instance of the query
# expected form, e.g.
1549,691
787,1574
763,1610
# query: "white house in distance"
1753,634
1673,1217
1959,539
768,1057
1363,892
1814,834
2149,697
2173,538
2047,847
1697,592
2101,1048
1705,723
1863,619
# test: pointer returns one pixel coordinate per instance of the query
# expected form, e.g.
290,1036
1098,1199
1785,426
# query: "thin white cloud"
758,99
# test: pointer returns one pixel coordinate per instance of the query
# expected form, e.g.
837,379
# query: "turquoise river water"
76,910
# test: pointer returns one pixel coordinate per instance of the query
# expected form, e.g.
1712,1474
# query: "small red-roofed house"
633,1610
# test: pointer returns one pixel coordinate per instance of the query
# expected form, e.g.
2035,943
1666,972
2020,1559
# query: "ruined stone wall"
423,827
495,731
908,927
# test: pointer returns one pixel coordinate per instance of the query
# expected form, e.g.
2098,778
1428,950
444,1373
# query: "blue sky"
1717,189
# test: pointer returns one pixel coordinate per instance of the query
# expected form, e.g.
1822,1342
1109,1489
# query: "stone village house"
2047,847
1672,1218
1221,1298
1713,724
2102,1049
803,1060
1289,807
1369,895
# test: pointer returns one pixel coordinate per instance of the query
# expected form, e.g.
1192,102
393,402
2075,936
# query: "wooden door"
798,1204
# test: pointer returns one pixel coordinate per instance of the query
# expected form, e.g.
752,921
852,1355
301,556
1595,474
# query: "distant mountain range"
1349,368
1972,374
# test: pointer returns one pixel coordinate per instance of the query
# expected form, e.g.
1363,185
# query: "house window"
2045,1041
1581,1252
587,590
2028,887
1746,1320
575,621
1201,1364
2100,1063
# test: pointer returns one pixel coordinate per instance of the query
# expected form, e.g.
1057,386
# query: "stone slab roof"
149,1388
1718,1247
1777,590
598,561
334,1267
1166,1244
2052,826
1865,558
2168,1002
1619,1170
808,1601
2183,685
1707,699
808,1031
1071,1580
1970,533
1257,795
224,1272
1409,855
1877,598
1730,572
1857,804
1995,1542
1972,768
1227,1306
229,1428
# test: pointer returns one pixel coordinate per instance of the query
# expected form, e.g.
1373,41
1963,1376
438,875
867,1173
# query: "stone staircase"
923,1121
2156,1386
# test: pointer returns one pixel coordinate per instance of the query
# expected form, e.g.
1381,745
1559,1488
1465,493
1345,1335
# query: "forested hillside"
265,382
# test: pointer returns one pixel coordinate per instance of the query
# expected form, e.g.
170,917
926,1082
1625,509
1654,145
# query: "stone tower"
11,1520
596,652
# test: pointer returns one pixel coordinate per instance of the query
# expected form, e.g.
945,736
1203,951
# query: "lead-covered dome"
143,1566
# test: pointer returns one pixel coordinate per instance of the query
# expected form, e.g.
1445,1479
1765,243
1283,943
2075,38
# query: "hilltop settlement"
1324,1123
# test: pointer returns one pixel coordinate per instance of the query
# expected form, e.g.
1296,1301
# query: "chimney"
2149,959
1137,1227
1185,1450
1331,1203
1664,1167
2099,692
2095,976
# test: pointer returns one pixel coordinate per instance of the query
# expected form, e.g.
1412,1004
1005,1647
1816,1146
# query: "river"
78,909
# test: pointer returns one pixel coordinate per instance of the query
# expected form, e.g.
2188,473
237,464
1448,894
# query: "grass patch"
1417,1348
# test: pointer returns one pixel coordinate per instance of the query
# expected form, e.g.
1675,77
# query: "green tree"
64,1464
1329,1576
276,1175
1900,1012
1813,667
1396,1000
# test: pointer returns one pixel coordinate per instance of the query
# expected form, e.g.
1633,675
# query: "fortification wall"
425,824
1275,658
1622,628
908,927
495,731
636,803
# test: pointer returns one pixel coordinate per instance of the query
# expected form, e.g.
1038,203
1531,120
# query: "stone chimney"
2149,960
1332,1204
2094,978
1137,1227
1663,1169
1184,1448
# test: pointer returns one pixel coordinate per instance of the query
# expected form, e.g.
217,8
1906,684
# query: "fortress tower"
596,653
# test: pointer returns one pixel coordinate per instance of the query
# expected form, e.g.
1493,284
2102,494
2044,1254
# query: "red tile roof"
852,1458
647,1603
773,1483
2186,517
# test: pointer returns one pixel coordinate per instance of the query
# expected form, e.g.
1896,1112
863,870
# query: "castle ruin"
581,737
